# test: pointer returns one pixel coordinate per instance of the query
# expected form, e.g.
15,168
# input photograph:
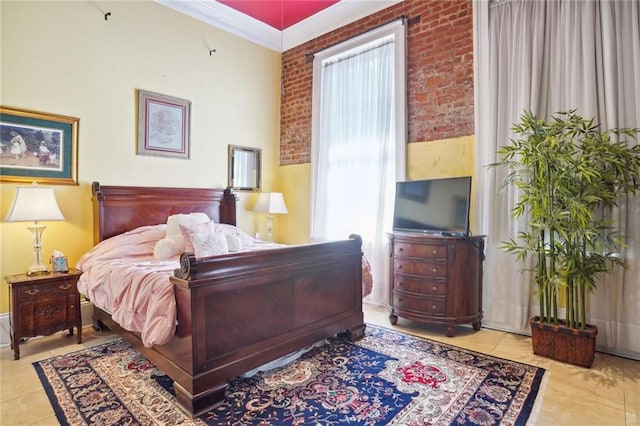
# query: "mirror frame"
236,180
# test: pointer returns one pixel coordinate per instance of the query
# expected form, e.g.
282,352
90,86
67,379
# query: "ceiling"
280,14
278,24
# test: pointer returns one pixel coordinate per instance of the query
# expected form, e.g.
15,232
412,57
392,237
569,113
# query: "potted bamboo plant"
569,175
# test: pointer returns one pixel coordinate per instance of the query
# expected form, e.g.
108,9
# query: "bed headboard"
117,209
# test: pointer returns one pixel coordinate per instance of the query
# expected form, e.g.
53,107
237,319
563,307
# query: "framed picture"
244,168
38,147
163,125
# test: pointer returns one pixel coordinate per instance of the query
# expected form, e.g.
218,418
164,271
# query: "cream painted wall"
295,183
63,57
443,158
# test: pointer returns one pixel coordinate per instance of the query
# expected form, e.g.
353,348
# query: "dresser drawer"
37,291
425,269
46,316
423,251
422,305
410,285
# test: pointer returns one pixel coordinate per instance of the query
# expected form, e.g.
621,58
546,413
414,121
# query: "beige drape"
550,56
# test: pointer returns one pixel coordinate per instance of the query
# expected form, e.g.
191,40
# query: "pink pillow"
174,222
203,240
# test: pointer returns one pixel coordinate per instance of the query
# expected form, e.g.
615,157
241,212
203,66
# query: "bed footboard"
239,311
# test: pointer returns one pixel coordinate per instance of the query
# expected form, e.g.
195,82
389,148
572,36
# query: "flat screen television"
436,206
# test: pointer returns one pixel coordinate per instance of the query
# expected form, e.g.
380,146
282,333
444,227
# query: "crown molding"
332,18
228,19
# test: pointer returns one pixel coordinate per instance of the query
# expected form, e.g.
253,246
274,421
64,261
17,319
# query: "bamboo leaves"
569,175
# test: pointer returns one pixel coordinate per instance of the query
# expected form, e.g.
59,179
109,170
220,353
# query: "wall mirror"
244,168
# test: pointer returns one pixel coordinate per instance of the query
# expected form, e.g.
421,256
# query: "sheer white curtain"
355,145
550,56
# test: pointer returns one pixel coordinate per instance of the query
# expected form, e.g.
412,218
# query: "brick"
439,75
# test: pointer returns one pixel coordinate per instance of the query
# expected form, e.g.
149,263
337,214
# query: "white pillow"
203,240
233,242
246,241
166,248
174,222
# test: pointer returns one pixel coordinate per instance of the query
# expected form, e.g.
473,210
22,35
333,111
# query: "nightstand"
43,304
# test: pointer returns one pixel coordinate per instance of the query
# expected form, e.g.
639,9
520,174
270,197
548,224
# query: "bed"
235,312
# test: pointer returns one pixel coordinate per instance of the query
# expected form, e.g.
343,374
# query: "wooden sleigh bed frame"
238,311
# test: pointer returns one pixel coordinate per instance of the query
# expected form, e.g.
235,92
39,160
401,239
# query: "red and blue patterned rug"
387,378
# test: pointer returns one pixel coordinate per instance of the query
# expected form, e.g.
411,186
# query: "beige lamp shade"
271,202
33,204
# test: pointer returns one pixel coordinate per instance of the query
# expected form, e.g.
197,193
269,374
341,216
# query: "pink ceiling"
280,14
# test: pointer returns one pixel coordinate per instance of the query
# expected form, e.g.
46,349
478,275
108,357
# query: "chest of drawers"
436,279
42,305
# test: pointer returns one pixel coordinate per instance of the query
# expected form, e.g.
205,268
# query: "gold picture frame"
38,147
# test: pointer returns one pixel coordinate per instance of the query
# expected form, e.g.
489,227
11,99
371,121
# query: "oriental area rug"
386,378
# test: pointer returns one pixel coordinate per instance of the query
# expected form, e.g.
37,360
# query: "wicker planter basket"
561,343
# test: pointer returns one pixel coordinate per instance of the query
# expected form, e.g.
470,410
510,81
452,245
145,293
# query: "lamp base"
38,266
269,228
35,269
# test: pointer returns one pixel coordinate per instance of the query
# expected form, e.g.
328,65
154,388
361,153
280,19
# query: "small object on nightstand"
59,262
43,304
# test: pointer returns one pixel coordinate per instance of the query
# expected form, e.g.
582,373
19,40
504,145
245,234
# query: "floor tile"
29,409
607,394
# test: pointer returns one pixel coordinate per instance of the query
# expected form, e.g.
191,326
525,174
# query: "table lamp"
35,203
270,203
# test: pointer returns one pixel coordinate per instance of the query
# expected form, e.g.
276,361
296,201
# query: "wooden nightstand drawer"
425,269
47,316
416,286
34,292
422,305
425,251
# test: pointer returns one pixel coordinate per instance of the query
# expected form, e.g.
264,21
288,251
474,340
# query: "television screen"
439,206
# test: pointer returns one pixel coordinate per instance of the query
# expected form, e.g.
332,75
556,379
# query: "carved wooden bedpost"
228,206
188,265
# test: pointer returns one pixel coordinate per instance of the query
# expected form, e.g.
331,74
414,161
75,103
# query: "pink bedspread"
121,276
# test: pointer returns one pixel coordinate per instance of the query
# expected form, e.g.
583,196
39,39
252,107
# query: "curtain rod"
405,20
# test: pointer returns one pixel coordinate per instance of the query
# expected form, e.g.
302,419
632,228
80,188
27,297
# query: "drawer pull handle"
32,292
435,251
399,266
434,288
433,307
434,270
65,286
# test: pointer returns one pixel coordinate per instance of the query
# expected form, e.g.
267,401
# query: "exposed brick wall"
439,75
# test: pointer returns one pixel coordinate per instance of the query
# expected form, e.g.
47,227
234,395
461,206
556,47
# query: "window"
358,140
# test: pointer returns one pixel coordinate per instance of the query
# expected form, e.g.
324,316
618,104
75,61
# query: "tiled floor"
608,394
